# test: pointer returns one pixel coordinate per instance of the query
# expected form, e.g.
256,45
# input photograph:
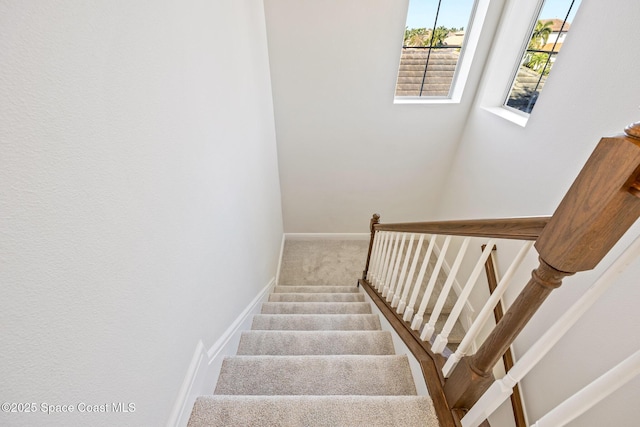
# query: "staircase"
315,356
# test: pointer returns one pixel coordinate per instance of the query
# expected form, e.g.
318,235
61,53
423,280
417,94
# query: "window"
545,42
434,41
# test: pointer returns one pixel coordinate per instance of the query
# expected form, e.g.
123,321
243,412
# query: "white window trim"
476,23
514,116
504,60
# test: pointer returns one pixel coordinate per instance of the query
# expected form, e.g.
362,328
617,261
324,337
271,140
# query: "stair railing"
600,206
415,272
501,390
517,405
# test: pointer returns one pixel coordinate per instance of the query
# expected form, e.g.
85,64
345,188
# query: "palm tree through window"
547,37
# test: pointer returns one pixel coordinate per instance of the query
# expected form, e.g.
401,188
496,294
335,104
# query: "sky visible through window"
558,10
433,45
455,13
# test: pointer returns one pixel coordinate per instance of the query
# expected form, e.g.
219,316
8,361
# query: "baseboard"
204,368
182,408
280,260
236,327
327,236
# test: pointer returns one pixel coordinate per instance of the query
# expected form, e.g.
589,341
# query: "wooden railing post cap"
597,210
375,219
633,130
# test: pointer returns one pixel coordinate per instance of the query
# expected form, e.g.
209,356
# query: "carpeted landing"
315,356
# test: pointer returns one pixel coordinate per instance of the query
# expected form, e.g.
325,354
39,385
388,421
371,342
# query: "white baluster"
392,263
593,393
486,311
403,274
409,310
501,390
489,402
407,286
394,275
442,339
430,327
419,317
386,253
374,257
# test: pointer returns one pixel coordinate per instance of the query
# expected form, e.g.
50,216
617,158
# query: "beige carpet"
315,355
323,262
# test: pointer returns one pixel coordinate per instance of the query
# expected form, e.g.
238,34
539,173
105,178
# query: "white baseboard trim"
181,410
204,368
280,260
216,349
327,236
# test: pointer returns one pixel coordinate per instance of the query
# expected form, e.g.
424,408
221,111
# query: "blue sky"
455,13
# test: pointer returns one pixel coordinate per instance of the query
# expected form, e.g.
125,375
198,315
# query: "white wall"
502,170
345,150
139,196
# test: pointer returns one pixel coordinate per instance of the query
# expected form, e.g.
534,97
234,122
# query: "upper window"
434,41
547,36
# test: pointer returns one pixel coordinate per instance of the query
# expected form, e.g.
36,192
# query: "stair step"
314,322
316,375
315,289
316,297
316,308
319,411
315,343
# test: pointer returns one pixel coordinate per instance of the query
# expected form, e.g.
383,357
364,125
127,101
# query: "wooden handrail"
430,364
524,228
597,210
600,206
375,219
507,228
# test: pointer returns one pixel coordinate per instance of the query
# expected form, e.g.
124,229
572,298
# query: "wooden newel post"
600,206
375,219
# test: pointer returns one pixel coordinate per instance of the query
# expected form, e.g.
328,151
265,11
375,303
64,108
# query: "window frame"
511,39
525,48
468,52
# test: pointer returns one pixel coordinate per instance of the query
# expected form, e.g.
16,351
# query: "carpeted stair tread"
316,297
316,308
316,355
314,289
319,411
315,343
320,261
314,322
316,375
